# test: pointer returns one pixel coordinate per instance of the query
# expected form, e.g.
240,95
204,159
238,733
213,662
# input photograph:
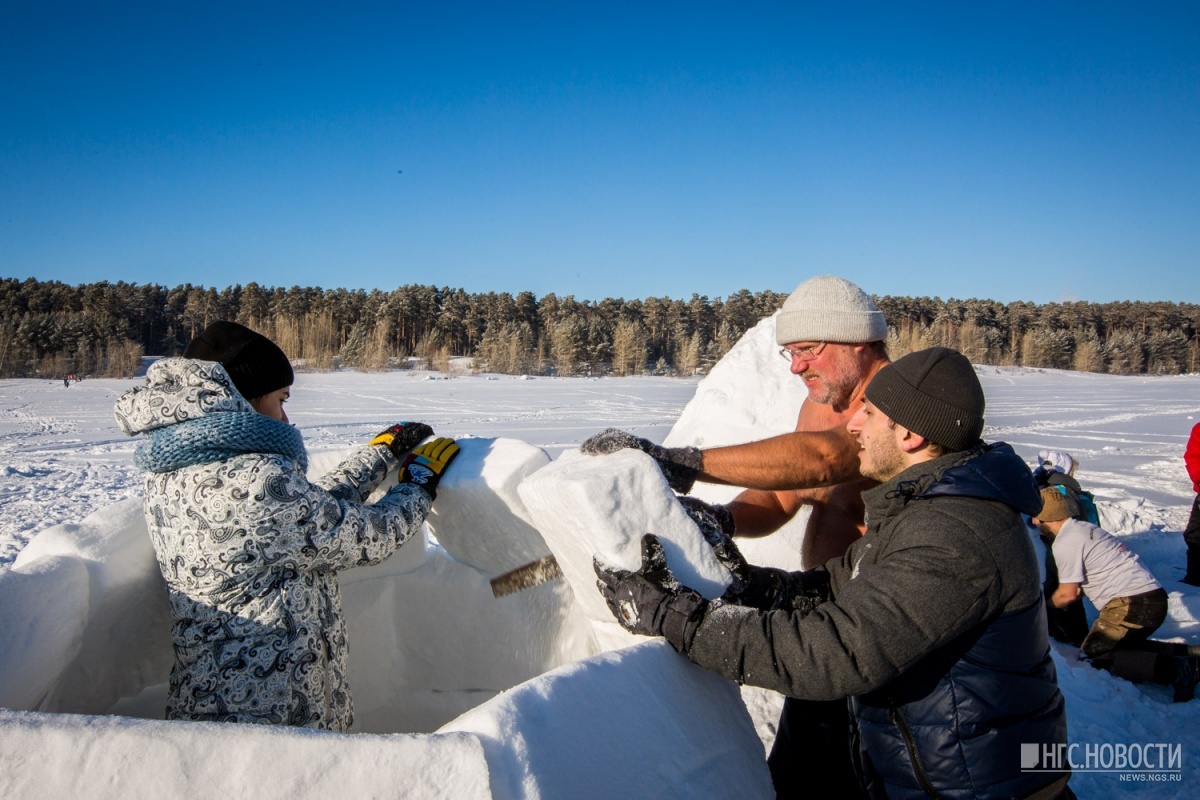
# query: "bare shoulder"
821,417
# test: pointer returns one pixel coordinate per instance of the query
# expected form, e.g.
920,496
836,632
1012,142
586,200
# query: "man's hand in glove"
771,589
679,465
403,437
764,588
424,466
650,601
716,525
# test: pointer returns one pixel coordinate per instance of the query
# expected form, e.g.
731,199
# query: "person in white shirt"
1095,564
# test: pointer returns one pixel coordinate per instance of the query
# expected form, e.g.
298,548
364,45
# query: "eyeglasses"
802,353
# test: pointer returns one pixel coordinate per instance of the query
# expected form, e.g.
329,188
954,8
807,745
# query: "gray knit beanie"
934,393
829,309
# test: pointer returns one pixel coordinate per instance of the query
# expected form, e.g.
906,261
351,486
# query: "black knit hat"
255,363
934,393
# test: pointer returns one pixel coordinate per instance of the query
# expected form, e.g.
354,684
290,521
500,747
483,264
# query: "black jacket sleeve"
895,599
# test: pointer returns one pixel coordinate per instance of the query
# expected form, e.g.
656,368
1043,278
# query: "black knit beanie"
934,393
255,363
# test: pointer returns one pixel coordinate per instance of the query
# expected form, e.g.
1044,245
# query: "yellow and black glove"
425,465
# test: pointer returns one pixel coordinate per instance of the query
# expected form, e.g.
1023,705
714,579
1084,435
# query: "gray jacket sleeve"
895,600
325,525
359,473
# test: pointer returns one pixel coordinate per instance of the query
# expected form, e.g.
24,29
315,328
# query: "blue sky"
1015,151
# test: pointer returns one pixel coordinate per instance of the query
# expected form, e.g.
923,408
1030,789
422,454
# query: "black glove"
424,466
403,436
650,602
764,588
716,525
679,465
770,589
715,521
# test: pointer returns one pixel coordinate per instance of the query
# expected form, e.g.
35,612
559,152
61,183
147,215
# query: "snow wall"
457,692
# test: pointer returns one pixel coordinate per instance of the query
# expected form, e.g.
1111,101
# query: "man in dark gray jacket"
932,624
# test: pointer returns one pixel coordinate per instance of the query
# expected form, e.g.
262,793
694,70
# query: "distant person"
1191,534
250,550
67,382
833,339
1132,603
931,624
1056,469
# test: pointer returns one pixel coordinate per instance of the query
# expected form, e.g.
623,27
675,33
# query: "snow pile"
750,394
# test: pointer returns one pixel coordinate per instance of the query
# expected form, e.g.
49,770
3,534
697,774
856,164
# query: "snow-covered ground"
66,470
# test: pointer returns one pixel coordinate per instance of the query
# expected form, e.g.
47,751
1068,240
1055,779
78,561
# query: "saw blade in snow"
535,572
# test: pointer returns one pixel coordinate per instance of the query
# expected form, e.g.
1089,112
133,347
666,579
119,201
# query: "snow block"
53,756
427,645
601,506
478,516
45,603
639,722
126,620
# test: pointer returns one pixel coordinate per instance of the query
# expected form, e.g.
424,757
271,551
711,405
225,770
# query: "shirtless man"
832,333
833,336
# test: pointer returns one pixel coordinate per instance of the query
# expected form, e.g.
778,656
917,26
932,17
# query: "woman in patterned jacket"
249,548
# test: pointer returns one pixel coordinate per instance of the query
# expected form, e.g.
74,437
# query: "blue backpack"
1085,501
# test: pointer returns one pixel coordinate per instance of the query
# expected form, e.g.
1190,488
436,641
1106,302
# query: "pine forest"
49,329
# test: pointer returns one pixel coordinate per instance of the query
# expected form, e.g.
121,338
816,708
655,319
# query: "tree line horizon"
51,329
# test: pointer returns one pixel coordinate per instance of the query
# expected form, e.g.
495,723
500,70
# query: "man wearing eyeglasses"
833,338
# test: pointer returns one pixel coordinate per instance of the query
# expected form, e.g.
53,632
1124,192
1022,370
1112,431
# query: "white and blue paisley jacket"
250,551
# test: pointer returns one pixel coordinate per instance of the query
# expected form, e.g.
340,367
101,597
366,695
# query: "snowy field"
63,461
